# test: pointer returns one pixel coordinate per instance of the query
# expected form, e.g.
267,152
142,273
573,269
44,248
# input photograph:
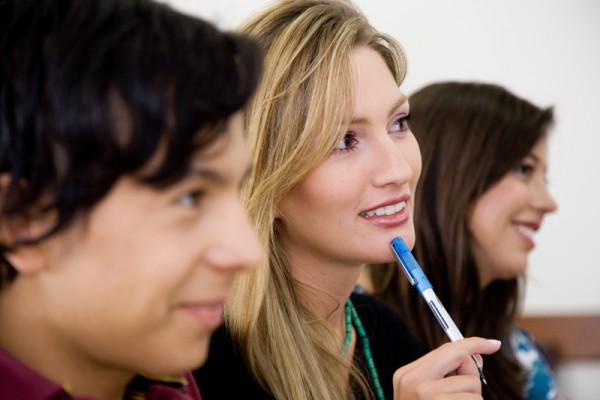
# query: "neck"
324,288
29,336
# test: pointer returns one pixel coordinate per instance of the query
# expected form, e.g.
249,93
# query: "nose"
542,199
236,246
391,162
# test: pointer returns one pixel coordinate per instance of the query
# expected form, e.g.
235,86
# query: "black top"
224,375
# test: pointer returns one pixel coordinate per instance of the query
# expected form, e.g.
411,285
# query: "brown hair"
470,135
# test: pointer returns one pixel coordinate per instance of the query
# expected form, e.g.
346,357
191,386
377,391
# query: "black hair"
90,90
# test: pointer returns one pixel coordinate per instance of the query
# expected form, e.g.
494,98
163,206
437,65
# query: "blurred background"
549,53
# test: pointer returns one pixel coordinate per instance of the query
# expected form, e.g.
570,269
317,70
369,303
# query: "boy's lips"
209,314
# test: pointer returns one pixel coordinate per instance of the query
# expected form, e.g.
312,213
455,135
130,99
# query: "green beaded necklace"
348,313
353,319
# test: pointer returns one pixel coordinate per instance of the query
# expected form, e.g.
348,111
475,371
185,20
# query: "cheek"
494,210
412,155
483,215
325,187
416,163
503,201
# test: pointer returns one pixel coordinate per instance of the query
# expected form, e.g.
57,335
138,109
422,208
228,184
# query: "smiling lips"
526,231
388,216
385,211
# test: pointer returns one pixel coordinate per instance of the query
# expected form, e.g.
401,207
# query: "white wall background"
547,51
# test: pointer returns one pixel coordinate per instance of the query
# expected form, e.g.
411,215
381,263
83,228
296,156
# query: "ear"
26,259
14,229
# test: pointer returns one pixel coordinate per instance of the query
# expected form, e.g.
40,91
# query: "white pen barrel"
442,315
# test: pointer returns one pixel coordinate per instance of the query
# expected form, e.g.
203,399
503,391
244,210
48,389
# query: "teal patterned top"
541,382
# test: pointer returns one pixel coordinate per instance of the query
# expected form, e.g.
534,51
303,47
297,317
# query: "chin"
202,355
518,269
183,362
513,272
408,237
385,257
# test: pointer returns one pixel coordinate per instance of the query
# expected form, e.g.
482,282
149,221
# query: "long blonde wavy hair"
298,115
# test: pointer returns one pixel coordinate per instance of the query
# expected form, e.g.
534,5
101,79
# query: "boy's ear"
26,259
15,229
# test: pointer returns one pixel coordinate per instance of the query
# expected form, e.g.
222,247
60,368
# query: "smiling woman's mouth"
385,211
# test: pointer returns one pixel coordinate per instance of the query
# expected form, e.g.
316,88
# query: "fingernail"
494,341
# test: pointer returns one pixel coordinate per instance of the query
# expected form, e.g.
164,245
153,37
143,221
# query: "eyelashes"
524,169
350,141
191,198
403,123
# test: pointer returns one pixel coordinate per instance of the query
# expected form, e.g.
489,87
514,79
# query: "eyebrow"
217,177
397,105
535,157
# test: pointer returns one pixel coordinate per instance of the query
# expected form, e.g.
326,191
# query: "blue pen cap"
409,265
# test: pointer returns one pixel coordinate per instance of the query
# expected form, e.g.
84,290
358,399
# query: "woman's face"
347,209
506,217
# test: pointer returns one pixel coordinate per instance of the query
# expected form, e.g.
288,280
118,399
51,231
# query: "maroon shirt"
19,382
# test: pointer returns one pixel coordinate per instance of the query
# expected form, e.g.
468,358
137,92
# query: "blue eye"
401,124
191,199
347,143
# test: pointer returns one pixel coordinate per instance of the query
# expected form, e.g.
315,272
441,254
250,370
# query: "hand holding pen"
445,372
417,278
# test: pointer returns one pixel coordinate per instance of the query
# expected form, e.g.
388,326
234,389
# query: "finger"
476,367
459,387
476,345
472,348
468,367
458,396
430,372
454,356
457,384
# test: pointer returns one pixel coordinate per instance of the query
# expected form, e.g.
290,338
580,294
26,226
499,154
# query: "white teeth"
525,230
387,210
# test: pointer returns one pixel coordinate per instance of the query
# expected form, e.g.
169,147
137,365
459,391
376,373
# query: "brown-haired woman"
483,193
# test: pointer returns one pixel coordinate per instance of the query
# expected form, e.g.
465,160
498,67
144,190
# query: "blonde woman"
335,167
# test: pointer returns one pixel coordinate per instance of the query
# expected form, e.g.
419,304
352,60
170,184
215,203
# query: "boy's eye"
191,199
348,142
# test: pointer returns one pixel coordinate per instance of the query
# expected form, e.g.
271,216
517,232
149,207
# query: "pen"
417,278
